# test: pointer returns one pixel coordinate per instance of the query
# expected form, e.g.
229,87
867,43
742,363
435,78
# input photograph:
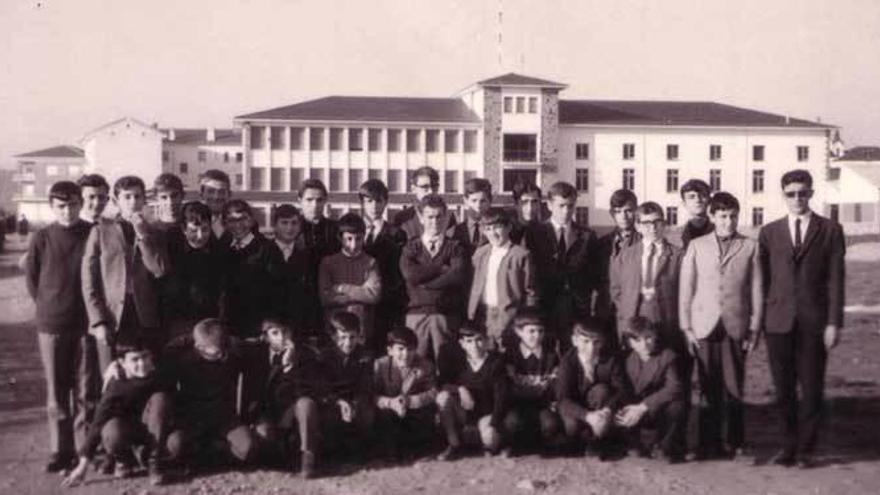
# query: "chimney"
211,135
171,135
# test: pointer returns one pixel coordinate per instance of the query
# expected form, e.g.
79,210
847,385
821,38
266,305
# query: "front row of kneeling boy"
211,398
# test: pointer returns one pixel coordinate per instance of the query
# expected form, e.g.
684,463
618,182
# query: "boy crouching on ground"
134,411
658,396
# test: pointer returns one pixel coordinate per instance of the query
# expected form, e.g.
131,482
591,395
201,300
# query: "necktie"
277,358
560,246
128,232
649,276
370,239
432,247
475,238
797,235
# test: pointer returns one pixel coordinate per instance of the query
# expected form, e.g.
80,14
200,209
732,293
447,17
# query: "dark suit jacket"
570,277
626,283
806,288
253,288
607,251
657,381
268,390
465,237
386,248
572,385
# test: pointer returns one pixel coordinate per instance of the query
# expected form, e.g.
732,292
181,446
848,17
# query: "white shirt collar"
426,239
376,225
502,248
526,352
804,218
657,242
588,366
476,364
244,242
557,226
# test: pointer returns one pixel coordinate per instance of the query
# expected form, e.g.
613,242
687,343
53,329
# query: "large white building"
516,127
853,190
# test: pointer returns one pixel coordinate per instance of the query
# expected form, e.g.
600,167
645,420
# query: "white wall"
189,153
125,148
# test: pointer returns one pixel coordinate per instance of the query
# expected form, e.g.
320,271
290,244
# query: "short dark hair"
374,189
270,323
404,336
218,175
93,180
428,172
127,343
650,208
431,201
285,210
723,201
696,185
168,182
351,223
345,321
562,189
477,185
312,184
128,182
471,329
521,188
797,176
639,326
590,326
623,197
196,213
66,191
237,206
527,316
496,215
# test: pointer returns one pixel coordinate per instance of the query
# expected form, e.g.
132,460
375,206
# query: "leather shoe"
451,453
784,457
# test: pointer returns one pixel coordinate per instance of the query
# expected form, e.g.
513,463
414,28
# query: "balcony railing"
520,156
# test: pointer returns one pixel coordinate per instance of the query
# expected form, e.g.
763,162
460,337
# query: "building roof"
127,121
683,113
62,151
870,173
861,154
514,79
372,109
200,136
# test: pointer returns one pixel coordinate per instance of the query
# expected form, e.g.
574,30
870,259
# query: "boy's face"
287,228
531,336
138,364
94,201
587,346
313,201
352,242
168,204
214,193
651,226
797,197
561,209
130,201
401,355
474,346
239,224
431,218
497,233
530,207
276,338
477,203
422,187
624,216
346,340
643,345
66,212
373,208
725,222
695,203
197,236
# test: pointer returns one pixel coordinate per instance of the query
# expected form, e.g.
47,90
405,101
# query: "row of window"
395,180
582,152
672,183
202,156
394,139
55,170
517,104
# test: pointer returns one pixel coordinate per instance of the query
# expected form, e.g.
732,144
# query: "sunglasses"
806,193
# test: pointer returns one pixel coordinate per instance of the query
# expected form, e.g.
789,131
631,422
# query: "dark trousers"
412,432
300,417
129,325
574,426
721,371
119,434
669,421
337,435
72,388
798,358
523,422
194,436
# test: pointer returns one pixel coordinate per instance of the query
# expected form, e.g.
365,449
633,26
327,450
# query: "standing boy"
622,207
95,195
434,267
123,260
215,190
477,199
52,275
502,279
169,200
287,222
695,196
425,181
721,306
527,200
349,280
321,239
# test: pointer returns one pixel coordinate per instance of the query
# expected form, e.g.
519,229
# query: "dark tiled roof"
514,79
63,151
372,109
862,154
691,113
200,136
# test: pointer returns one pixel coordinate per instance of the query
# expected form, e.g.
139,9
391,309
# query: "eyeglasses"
805,193
423,187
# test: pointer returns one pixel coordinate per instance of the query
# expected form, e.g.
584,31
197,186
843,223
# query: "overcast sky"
69,66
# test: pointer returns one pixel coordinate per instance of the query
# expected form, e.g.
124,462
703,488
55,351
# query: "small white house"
853,190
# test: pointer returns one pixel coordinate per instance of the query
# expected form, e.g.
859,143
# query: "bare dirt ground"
849,457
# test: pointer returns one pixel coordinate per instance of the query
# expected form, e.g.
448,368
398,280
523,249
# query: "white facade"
189,159
853,195
124,147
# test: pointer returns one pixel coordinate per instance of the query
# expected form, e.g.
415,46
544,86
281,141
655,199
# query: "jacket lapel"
812,231
662,260
735,245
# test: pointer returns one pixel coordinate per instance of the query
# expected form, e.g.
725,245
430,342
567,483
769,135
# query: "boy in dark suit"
657,393
282,385
134,410
405,387
802,256
287,222
434,267
590,387
384,242
477,199
475,395
321,239
622,207
52,275
695,197
253,273
532,367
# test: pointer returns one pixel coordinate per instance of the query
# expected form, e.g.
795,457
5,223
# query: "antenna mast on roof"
501,35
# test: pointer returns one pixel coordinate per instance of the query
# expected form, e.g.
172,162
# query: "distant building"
189,152
853,190
37,171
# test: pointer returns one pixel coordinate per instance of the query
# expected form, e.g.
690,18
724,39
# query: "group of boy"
509,331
